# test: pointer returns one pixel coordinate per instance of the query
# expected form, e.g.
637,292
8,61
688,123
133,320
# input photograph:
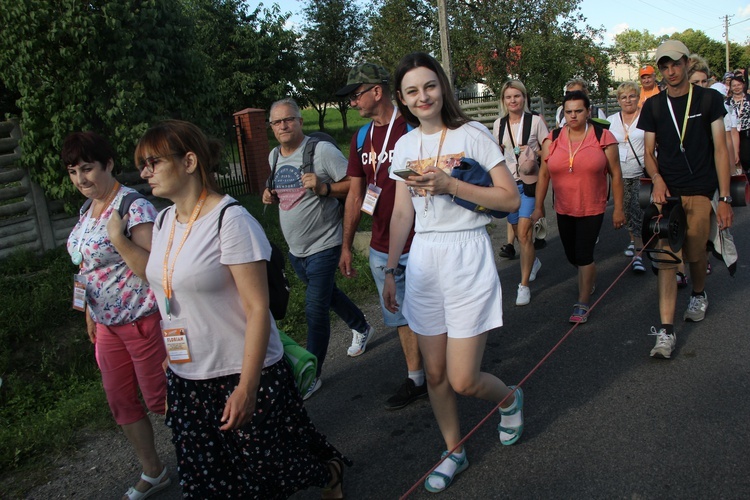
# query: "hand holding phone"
406,173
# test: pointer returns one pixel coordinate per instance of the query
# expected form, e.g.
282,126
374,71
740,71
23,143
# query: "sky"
658,17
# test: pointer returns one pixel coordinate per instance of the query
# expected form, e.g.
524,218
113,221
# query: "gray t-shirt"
310,223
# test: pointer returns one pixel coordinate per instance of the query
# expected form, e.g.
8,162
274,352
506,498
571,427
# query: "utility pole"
445,48
726,38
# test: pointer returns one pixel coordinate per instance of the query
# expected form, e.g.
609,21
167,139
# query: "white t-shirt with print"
417,150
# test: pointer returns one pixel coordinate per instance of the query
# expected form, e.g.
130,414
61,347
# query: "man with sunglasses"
373,191
310,219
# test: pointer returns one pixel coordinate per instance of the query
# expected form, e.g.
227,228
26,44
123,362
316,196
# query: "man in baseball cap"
647,76
687,122
373,192
365,73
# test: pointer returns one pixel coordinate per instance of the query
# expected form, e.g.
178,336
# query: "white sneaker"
359,341
664,343
697,307
535,269
524,295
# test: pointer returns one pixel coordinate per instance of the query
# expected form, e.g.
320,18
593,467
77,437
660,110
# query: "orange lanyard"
167,272
572,154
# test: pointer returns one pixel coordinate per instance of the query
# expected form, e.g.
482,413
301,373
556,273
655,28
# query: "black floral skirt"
277,453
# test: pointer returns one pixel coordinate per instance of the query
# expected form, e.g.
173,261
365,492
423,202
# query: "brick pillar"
252,143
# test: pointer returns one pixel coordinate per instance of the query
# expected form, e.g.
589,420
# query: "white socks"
448,467
417,377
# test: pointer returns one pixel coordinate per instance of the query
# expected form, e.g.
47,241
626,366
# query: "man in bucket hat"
372,191
692,166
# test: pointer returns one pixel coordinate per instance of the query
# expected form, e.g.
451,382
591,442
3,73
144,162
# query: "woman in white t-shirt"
623,126
521,156
237,419
453,297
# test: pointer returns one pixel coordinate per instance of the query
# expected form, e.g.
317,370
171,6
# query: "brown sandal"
337,475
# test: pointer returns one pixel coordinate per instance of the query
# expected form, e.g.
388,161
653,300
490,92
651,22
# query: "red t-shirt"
583,191
361,165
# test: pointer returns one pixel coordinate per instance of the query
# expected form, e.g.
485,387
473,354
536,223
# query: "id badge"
79,292
624,149
371,199
175,340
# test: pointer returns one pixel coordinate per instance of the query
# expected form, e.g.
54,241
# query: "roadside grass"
50,386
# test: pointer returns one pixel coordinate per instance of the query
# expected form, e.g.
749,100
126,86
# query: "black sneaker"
507,251
540,243
407,393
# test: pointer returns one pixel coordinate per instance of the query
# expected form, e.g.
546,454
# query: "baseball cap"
364,73
646,70
673,49
720,88
728,74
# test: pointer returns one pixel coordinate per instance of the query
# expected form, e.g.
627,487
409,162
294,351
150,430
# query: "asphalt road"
602,418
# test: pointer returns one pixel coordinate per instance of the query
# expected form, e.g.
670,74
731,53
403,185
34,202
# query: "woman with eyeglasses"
122,318
623,126
237,420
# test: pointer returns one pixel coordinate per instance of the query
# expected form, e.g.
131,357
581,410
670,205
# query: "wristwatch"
726,199
392,270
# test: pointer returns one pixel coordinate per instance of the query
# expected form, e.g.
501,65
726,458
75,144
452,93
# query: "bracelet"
455,193
653,177
328,189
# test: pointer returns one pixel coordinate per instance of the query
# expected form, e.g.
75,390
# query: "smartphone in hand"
406,173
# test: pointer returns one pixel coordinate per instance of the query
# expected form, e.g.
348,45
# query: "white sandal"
157,484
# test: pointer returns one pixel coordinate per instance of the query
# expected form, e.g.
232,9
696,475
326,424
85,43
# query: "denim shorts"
528,203
377,264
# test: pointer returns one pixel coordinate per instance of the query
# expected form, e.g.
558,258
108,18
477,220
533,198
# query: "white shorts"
452,284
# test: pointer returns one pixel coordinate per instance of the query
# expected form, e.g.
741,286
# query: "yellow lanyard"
167,272
572,154
681,133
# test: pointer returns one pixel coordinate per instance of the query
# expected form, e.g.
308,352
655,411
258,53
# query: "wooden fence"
28,221
487,111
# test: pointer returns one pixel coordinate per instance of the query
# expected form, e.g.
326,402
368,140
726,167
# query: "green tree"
713,51
250,54
537,41
333,35
632,47
114,66
417,31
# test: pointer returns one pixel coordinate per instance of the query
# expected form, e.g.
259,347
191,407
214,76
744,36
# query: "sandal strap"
154,481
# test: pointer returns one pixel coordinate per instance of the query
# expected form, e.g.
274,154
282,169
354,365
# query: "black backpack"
278,284
598,131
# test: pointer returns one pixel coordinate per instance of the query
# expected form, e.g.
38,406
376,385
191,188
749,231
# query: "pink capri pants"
130,356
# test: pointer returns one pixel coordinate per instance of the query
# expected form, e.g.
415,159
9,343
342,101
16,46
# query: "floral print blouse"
114,293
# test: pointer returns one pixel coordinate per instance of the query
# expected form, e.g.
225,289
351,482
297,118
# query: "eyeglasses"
355,97
149,164
288,120
630,97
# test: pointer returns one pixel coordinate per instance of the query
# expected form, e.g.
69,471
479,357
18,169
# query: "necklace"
437,157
